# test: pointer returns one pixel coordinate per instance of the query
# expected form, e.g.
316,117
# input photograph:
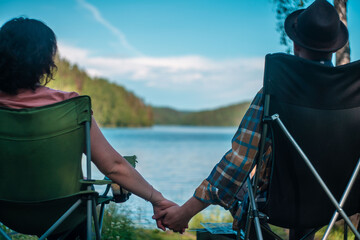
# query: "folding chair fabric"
320,106
40,157
36,217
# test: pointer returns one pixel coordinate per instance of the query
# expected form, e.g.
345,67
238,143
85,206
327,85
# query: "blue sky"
186,54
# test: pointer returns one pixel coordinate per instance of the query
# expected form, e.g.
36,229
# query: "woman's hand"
159,206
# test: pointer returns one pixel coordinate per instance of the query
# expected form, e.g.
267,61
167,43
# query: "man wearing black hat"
317,33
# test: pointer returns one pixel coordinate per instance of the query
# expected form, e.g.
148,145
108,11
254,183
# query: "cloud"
115,31
184,82
219,82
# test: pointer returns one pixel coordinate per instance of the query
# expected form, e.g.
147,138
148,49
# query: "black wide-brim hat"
317,27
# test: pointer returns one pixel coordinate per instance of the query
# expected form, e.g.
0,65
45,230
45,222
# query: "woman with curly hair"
27,51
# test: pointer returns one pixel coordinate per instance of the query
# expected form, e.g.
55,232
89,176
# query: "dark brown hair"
27,51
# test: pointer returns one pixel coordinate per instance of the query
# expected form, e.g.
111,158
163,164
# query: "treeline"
225,116
113,105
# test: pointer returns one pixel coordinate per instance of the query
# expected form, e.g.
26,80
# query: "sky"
185,54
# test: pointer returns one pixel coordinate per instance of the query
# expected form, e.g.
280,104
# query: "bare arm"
115,167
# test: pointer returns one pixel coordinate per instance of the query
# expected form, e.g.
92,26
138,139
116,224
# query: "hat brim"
290,30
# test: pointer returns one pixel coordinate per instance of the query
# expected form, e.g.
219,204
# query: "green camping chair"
42,189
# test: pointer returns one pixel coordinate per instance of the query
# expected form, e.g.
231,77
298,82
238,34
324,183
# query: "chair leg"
88,219
101,216
270,232
96,222
247,225
316,175
345,231
358,228
3,233
343,199
60,220
254,211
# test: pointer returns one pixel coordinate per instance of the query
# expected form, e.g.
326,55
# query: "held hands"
177,218
174,218
159,207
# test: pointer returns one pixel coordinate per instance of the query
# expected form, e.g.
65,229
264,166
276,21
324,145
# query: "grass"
118,225
336,233
216,215
16,236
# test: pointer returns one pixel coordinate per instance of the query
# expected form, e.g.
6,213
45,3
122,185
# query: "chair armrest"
95,182
131,159
119,193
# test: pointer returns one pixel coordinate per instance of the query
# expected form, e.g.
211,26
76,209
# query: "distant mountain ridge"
114,106
224,116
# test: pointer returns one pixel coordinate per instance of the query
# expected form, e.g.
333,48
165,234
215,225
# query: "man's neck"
312,55
327,63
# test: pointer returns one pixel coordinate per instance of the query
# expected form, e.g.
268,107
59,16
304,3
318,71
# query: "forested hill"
112,104
225,116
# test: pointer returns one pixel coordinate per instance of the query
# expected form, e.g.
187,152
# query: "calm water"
174,159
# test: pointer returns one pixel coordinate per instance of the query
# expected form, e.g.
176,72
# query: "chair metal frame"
255,217
254,212
89,199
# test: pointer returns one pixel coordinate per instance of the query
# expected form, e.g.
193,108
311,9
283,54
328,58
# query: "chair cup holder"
120,194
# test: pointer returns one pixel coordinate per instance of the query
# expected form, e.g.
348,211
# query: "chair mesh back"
320,106
41,150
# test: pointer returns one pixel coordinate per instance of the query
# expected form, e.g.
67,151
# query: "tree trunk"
343,54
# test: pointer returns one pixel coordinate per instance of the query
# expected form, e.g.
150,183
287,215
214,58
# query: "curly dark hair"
27,51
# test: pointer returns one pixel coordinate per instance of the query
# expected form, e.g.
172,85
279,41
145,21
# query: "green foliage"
336,233
113,105
225,116
282,232
118,225
16,236
283,9
216,215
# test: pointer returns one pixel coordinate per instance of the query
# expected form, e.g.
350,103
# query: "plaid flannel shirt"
225,183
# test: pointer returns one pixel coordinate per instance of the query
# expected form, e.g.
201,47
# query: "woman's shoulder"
55,94
28,98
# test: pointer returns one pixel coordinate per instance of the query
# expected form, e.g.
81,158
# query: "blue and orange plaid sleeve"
227,177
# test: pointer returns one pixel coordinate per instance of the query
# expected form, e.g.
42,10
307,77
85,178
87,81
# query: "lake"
174,159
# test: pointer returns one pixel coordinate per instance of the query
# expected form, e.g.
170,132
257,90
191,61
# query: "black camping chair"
312,114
